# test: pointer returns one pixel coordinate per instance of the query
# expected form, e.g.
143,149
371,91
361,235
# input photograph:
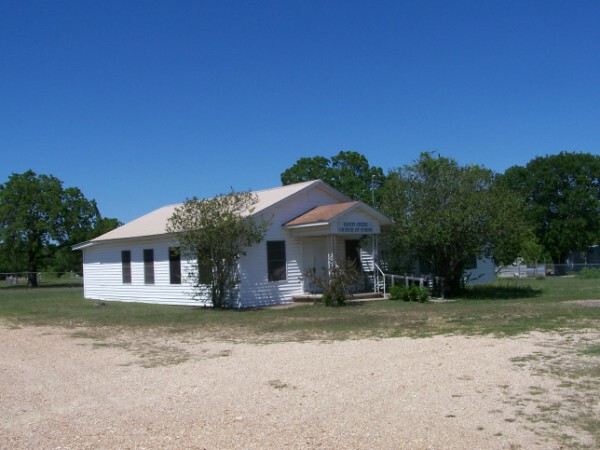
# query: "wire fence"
542,270
43,278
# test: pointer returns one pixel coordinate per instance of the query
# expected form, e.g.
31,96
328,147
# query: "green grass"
503,308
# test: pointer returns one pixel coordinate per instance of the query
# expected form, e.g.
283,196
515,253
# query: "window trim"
471,262
126,266
205,276
175,265
149,266
276,262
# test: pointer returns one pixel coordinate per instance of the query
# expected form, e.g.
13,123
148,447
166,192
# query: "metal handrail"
376,280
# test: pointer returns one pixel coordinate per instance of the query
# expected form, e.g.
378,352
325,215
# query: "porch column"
375,250
331,263
375,255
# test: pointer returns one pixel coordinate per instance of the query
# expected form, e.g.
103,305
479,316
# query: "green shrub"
423,294
412,294
398,293
418,294
589,273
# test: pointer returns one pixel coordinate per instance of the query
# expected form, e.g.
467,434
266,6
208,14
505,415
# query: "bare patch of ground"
588,303
114,389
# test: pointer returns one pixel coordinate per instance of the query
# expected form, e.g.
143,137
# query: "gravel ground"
72,389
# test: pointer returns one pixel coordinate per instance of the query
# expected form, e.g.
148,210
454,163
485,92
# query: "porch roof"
339,218
321,214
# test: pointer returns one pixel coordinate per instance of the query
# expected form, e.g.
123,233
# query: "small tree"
213,235
337,283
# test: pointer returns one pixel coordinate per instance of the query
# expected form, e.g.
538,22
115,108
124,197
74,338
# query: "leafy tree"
64,259
533,252
213,234
307,169
562,194
445,214
38,217
104,225
348,172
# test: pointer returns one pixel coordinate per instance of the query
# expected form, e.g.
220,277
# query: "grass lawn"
503,308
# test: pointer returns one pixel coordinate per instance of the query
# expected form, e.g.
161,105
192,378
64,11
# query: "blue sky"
146,103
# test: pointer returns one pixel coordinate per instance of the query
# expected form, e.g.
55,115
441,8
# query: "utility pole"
373,191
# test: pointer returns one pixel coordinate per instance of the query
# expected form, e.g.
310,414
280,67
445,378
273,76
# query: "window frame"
149,266
126,266
175,265
471,262
276,261
205,277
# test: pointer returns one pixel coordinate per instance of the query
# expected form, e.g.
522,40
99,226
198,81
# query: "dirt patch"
587,303
109,389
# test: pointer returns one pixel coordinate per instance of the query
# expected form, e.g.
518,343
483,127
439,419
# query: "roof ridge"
286,186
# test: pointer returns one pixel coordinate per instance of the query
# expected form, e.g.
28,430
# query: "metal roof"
155,222
321,214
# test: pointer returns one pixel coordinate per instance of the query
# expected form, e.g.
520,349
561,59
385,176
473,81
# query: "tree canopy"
348,172
445,215
562,195
213,234
39,219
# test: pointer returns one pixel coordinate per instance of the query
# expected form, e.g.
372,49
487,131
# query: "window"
204,271
126,266
471,263
175,265
276,260
149,266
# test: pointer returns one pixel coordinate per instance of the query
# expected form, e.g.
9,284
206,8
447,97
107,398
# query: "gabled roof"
155,222
326,214
321,214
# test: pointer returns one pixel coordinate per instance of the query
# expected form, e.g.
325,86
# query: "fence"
541,270
43,278
434,284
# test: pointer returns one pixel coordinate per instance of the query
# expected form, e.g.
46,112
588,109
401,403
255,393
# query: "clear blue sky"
146,103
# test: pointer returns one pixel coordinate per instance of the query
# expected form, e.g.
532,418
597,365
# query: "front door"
353,253
314,259
353,257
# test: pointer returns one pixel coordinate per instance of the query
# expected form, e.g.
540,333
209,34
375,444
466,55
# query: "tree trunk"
560,265
453,284
32,279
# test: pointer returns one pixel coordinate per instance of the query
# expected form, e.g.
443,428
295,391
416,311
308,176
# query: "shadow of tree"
500,292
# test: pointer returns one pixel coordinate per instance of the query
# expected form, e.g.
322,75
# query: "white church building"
311,226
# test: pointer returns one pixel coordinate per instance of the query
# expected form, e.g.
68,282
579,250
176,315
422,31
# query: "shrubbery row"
412,294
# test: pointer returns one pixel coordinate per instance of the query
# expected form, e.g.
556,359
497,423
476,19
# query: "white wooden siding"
255,288
103,267
102,271
485,272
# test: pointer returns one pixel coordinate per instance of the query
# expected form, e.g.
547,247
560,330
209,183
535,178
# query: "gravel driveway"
70,388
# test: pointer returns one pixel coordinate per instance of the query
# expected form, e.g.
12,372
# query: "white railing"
377,285
430,282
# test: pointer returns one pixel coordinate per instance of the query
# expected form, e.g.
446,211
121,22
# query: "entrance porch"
331,234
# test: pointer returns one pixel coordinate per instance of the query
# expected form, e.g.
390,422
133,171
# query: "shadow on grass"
500,292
